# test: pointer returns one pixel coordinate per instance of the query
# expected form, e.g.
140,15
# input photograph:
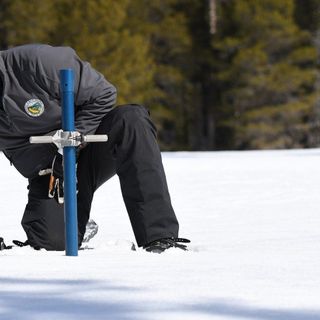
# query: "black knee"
136,117
126,117
133,112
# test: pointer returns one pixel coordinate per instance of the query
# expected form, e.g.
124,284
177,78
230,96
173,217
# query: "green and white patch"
34,107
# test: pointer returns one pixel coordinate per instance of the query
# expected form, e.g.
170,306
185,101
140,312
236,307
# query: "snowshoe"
91,231
3,246
158,246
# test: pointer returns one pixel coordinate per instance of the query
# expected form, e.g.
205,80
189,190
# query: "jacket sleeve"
94,95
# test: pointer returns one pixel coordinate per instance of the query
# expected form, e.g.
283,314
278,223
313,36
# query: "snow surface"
254,221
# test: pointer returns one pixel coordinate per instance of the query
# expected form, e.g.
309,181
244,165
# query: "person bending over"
30,106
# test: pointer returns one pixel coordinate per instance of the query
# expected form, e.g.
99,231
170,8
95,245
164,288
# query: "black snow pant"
133,154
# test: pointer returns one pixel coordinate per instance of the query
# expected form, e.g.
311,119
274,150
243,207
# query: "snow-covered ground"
254,222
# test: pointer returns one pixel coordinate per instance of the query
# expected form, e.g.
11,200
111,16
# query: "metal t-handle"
68,139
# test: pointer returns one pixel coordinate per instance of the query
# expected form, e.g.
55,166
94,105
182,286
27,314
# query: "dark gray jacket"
30,101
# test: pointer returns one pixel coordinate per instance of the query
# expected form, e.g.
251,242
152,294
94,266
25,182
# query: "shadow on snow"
62,299
236,310
81,299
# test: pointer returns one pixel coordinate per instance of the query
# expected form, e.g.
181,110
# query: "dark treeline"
216,74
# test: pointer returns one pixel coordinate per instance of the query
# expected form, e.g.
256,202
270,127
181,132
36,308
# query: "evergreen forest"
215,74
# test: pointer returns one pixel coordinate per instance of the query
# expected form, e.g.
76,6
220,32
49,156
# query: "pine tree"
307,14
164,26
96,29
266,74
4,4
179,34
28,21
200,74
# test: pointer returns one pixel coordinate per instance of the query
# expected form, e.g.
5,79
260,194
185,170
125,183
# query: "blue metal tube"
69,162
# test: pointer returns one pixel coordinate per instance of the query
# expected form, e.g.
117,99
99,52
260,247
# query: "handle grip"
43,139
54,139
95,138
